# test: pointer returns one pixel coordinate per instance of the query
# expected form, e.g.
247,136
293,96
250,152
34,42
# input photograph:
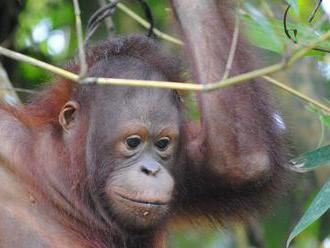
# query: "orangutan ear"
67,115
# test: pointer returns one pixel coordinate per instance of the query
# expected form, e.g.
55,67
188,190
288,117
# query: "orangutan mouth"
143,201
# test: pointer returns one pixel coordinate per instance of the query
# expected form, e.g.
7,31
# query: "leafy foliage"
319,206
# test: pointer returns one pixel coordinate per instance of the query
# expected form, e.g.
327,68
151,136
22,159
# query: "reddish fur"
46,109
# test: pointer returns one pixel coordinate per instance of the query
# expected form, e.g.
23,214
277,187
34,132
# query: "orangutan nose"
151,169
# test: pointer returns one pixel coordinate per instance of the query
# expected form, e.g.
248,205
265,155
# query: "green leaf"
319,206
261,33
311,160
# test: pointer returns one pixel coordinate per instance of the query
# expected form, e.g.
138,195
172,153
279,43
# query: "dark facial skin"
131,148
142,144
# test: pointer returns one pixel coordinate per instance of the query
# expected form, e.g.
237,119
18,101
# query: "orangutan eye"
163,143
133,141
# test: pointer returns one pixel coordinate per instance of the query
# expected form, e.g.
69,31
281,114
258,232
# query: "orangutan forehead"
157,106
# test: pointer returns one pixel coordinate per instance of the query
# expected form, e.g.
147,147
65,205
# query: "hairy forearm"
243,138
241,133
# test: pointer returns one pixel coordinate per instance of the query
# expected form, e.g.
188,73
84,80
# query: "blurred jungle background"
45,29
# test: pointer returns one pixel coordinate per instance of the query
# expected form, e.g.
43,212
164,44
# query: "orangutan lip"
154,203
